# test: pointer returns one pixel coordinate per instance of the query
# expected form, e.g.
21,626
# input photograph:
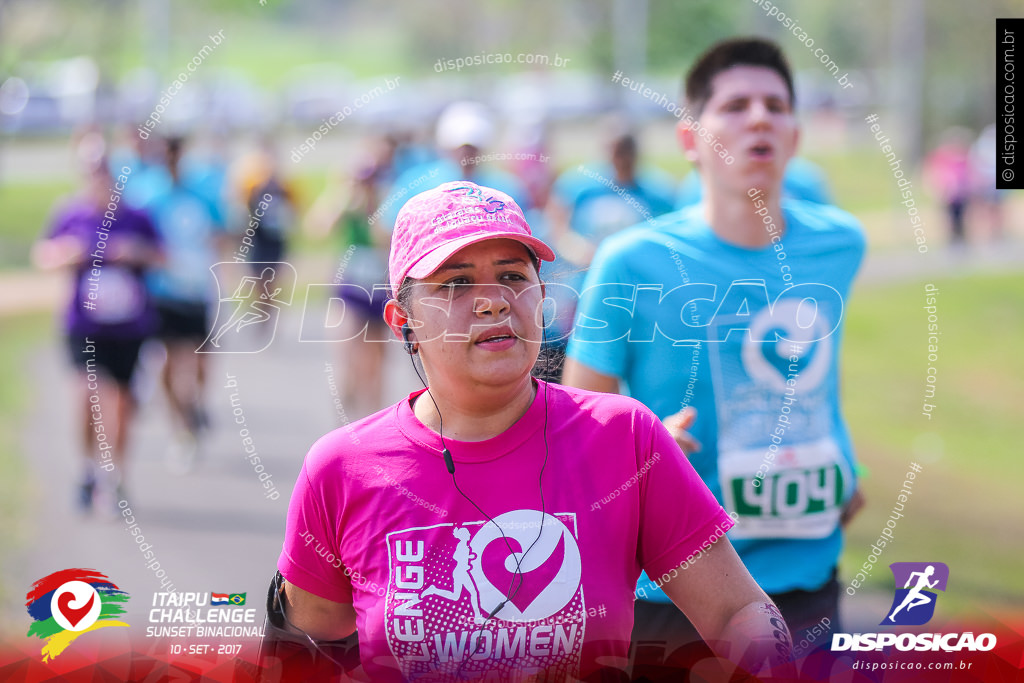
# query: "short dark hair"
727,54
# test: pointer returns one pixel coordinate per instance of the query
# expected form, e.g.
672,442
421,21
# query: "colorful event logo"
491,204
71,602
914,603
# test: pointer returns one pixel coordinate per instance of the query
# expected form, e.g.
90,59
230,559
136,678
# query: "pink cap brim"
433,260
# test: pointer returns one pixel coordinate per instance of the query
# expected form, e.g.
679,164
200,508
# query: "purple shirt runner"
110,299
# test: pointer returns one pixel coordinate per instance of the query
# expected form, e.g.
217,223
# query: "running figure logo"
461,580
255,302
914,603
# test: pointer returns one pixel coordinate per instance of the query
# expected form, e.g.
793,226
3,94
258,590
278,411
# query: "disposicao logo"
68,603
914,605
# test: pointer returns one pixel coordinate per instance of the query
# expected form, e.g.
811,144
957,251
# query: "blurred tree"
679,32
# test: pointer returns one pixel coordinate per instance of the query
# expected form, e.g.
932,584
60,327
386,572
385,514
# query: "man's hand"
678,426
852,507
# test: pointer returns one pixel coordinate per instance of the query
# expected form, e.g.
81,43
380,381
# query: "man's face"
749,116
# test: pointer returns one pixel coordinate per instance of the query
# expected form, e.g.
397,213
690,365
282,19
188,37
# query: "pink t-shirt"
376,521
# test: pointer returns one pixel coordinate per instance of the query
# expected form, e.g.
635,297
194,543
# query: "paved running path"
212,530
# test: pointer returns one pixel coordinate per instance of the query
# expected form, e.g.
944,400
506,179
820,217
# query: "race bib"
119,296
798,494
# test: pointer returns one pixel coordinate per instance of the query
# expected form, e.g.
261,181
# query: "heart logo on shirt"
549,570
779,354
524,586
781,349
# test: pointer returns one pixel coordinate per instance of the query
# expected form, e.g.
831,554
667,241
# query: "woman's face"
477,319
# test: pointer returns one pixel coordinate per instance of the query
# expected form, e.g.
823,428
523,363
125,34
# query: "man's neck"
745,220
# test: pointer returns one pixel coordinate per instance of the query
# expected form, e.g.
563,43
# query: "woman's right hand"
678,426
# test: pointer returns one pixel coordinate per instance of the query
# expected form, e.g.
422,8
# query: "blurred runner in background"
989,200
587,204
108,248
190,225
256,178
464,137
948,170
266,204
350,207
148,161
593,201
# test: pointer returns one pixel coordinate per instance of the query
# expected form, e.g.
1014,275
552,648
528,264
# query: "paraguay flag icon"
68,603
227,599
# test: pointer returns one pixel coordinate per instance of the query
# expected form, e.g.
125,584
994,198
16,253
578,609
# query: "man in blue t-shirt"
726,319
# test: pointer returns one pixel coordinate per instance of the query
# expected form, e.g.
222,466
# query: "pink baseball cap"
435,224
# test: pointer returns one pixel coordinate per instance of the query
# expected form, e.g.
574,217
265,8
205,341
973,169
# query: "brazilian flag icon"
237,598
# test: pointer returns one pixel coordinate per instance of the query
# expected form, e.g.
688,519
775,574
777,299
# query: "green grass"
21,334
27,208
966,509
861,180
269,55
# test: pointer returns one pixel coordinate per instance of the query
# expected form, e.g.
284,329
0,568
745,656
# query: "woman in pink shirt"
494,525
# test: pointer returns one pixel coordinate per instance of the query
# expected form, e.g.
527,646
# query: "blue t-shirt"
600,207
803,180
429,175
146,182
188,223
750,338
